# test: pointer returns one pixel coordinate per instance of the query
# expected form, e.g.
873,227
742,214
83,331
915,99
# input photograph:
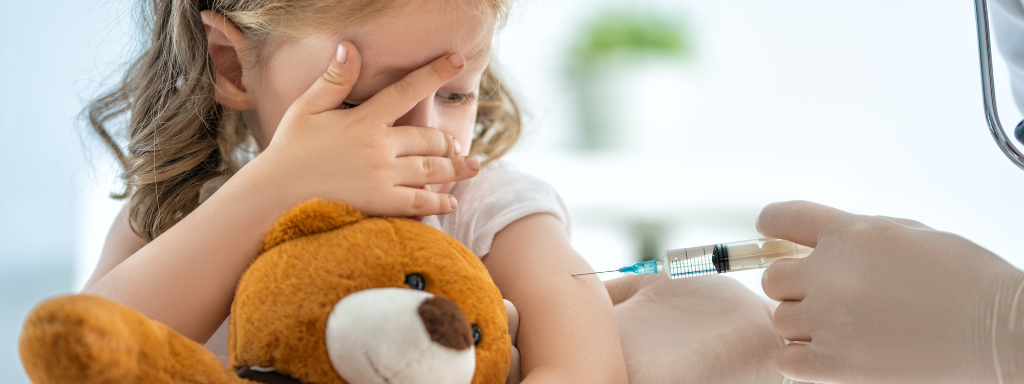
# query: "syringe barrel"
690,262
760,253
729,257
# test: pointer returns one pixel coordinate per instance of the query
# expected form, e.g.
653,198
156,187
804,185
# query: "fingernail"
342,55
451,200
458,146
472,163
456,60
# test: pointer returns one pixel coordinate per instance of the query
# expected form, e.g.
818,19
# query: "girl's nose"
422,115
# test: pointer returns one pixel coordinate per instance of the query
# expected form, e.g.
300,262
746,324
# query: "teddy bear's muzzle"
395,336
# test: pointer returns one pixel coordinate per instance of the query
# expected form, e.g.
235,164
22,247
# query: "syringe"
718,258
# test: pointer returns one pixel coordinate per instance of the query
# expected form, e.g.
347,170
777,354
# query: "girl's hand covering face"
355,155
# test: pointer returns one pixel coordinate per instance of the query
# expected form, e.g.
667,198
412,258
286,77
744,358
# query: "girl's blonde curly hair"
179,137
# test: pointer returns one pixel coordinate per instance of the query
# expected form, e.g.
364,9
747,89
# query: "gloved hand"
891,300
699,330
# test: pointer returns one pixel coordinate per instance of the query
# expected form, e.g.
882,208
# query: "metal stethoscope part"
988,90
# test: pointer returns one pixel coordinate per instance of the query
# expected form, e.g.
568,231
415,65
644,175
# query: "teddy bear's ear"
312,217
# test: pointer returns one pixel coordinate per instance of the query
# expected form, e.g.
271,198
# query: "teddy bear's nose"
446,323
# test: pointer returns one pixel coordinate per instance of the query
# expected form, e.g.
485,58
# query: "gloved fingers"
908,223
791,322
801,362
513,321
801,222
622,288
782,280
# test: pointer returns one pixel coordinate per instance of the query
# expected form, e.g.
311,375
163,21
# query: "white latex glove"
891,300
699,330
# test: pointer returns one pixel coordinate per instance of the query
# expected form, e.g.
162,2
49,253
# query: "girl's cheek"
460,123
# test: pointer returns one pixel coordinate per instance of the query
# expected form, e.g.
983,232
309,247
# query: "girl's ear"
227,47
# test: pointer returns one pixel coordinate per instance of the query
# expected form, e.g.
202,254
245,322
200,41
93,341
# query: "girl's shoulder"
501,175
497,197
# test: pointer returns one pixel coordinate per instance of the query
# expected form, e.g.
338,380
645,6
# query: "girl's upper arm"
567,326
121,243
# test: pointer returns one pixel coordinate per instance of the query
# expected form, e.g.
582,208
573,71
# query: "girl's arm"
567,328
186,277
121,242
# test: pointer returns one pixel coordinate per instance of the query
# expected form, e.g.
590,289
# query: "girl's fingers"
421,202
398,99
513,321
424,141
415,171
514,370
328,92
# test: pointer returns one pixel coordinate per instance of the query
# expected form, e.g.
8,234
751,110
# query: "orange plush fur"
315,255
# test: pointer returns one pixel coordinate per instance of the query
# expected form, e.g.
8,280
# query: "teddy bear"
333,297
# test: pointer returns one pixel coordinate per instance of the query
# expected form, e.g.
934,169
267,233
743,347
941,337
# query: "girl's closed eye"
457,98
449,97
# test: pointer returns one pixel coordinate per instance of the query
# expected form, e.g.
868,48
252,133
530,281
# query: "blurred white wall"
52,57
871,106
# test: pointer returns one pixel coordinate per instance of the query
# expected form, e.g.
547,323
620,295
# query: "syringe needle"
594,273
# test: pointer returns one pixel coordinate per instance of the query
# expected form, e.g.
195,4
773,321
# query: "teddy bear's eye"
476,335
415,281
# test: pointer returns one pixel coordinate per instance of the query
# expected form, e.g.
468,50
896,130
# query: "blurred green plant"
618,33
613,42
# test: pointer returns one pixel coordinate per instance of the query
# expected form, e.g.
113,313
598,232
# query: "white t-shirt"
495,198
1008,27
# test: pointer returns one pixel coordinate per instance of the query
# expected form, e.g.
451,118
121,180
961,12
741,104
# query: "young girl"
372,102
